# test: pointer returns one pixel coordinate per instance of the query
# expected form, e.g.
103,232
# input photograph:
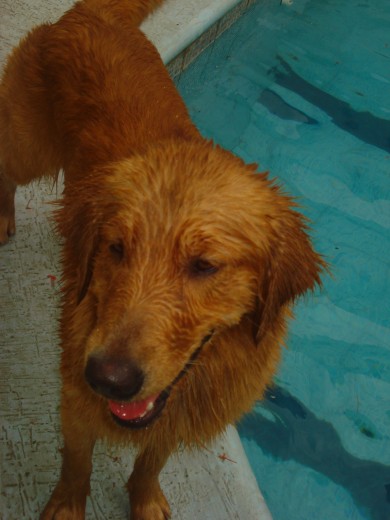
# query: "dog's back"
69,91
123,13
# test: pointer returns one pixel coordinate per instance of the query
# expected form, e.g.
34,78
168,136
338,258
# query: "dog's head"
169,249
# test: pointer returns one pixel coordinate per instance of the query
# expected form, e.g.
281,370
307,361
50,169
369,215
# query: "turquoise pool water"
304,90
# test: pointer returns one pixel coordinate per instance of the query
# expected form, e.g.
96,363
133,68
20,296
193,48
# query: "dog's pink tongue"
133,410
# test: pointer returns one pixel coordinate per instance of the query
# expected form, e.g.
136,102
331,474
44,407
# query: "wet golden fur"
145,198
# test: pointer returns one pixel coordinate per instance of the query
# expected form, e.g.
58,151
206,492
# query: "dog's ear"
78,221
292,267
85,268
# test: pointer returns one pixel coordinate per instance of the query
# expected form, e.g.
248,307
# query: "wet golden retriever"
180,262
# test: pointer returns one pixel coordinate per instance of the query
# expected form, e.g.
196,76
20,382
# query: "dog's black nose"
116,378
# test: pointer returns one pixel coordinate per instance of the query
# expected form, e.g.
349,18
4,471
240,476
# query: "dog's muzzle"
120,380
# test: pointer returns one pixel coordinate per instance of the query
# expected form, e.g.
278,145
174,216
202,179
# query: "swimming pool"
304,90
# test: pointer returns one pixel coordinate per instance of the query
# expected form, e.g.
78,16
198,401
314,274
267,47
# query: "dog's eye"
117,250
202,267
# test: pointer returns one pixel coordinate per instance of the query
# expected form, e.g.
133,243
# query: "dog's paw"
56,511
156,509
62,507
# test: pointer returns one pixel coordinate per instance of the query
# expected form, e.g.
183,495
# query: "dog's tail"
130,11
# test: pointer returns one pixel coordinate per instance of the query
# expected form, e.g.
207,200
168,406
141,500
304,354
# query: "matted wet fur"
180,263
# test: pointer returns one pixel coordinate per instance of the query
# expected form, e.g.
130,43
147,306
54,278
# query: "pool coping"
181,38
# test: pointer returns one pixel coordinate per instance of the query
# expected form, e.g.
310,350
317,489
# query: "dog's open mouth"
140,414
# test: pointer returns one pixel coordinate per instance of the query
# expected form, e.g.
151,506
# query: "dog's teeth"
148,409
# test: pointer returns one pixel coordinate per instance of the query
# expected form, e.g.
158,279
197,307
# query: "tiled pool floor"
304,90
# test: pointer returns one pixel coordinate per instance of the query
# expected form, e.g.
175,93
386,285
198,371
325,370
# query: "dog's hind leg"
29,143
7,208
147,501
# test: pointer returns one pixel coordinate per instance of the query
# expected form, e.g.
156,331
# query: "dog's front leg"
68,499
147,501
